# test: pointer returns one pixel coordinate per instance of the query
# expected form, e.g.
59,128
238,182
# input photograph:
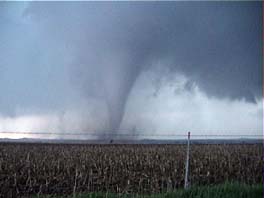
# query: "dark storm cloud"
216,44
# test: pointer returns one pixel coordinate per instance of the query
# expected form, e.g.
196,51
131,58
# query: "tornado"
109,44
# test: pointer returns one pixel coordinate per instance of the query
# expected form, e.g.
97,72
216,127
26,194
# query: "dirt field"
63,169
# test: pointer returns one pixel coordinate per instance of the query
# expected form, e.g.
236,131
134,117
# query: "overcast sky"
131,67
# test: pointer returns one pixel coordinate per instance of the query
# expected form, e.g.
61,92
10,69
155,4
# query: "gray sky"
158,67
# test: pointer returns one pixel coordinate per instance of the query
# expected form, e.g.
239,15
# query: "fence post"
186,183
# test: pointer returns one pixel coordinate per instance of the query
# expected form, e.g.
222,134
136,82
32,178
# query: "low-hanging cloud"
173,110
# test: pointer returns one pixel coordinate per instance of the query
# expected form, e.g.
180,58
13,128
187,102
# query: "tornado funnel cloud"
104,47
115,113
117,87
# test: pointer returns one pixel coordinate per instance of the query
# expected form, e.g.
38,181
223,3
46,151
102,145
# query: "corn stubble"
27,169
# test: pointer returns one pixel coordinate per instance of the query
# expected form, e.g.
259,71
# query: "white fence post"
186,183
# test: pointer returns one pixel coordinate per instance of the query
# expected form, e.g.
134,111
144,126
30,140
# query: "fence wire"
132,134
